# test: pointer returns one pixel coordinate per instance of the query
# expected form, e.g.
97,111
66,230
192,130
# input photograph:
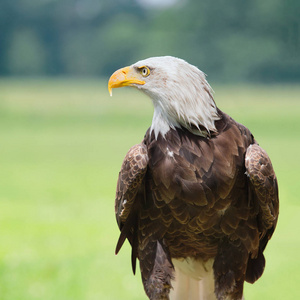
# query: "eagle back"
197,187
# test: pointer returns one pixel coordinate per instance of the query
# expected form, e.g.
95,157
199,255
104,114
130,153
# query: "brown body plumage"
209,198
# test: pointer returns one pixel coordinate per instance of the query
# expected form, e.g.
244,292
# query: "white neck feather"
161,123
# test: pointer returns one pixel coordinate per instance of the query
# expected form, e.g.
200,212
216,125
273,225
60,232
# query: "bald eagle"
197,199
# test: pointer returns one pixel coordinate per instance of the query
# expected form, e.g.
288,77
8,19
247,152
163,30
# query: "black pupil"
144,71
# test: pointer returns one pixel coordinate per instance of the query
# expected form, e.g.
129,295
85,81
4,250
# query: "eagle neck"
160,122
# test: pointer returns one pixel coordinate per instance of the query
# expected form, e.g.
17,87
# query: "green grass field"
62,143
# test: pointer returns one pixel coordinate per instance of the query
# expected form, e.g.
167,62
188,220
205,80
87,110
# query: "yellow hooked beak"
123,77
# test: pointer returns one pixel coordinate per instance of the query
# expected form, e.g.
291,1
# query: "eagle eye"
145,71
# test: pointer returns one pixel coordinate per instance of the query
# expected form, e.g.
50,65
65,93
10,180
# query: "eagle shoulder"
263,182
131,175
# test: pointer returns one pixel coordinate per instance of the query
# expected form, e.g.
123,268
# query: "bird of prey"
197,199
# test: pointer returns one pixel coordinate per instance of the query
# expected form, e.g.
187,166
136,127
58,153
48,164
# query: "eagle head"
180,94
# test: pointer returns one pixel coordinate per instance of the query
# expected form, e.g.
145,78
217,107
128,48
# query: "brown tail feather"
255,268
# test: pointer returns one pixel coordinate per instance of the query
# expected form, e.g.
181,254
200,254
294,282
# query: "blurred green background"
249,40
63,138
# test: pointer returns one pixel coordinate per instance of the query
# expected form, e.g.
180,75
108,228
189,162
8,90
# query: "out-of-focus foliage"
249,40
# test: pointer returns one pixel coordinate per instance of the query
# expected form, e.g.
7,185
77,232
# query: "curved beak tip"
110,91
116,80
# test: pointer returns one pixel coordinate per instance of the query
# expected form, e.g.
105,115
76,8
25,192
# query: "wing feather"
263,184
130,189
130,180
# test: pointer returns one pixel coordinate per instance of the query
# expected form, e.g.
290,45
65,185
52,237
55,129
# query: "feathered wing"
130,190
264,191
155,263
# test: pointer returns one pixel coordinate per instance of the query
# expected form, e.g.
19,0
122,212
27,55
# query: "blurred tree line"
247,40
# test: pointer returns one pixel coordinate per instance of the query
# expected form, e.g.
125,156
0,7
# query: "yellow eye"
145,71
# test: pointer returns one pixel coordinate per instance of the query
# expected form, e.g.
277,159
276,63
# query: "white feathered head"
179,91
